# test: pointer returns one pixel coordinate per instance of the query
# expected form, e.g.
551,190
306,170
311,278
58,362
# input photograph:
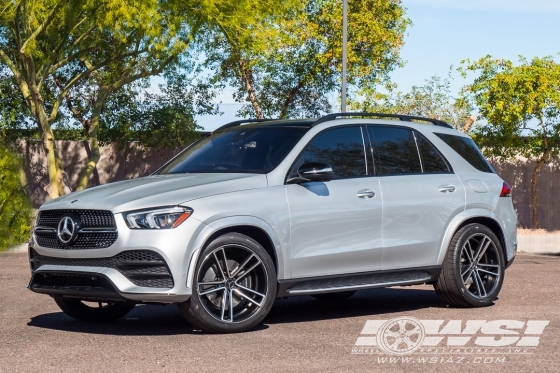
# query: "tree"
521,105
41,40
432,100
53,46
287,66
163,119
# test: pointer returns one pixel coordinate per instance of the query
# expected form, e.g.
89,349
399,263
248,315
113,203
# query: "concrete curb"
545,243
21,248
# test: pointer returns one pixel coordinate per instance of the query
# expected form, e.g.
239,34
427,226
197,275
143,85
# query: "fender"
197,244
456,222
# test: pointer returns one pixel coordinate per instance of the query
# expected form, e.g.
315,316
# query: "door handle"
446,188
365,193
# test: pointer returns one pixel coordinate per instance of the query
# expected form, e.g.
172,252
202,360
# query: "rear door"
420,196
336,225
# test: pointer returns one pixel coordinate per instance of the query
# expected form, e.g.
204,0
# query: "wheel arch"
484,217
252,227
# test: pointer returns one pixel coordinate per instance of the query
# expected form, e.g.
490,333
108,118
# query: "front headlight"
161,218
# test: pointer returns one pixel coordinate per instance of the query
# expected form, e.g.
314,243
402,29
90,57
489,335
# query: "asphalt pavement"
519,333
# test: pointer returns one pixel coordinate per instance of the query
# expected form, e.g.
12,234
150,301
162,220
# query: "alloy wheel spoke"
468,251
470,270
475,281
483,251
241,294
247,271
252,291
481,284
467,270
231,305
238,269
212,290
488,265
479,248
219,265
224,299
488,272
211,283
225,261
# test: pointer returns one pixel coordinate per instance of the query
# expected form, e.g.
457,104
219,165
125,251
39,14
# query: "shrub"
15,209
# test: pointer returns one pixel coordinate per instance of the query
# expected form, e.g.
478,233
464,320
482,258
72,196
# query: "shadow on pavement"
159,320
375,302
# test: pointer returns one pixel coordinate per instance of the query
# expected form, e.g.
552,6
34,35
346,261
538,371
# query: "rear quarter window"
466,148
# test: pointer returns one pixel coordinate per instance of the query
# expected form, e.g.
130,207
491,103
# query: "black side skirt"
358,281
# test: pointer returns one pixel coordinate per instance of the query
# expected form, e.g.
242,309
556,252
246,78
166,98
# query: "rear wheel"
473,269
334,296
93,311
234,286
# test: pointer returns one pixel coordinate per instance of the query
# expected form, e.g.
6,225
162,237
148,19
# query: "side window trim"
365,151
418,151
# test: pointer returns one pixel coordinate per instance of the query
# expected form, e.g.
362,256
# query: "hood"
154,191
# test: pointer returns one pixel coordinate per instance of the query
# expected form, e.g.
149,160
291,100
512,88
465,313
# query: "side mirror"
312,171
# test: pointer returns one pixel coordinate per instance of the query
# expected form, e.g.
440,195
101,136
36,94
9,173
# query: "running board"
357,281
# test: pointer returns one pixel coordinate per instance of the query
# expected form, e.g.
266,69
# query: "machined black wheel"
93,311
234,286
473,270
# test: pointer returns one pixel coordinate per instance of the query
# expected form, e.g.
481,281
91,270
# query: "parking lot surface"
300,334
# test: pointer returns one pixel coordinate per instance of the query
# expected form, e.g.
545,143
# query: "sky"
445,32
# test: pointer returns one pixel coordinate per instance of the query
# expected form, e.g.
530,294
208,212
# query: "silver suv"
266,209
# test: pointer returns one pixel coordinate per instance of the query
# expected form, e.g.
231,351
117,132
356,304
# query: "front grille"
48,222
142,267
88,240
89,218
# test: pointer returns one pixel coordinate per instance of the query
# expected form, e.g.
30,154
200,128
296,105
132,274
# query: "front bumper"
95,274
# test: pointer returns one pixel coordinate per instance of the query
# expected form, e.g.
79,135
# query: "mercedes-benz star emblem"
67,230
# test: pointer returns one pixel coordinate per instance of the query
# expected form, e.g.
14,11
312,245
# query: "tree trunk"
55,188
468,124
247,77
534,200
92,138
289,99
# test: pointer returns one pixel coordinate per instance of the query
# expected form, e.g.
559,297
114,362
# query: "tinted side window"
396,150
467,149
432,161
342,148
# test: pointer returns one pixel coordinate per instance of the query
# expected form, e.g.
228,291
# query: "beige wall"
132,161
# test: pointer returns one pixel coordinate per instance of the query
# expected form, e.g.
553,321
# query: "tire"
104,312
232,295
334,296
472,278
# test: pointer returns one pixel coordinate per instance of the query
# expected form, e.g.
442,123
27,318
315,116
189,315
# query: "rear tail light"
506,190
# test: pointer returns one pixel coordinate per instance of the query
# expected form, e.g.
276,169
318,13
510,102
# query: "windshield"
256,149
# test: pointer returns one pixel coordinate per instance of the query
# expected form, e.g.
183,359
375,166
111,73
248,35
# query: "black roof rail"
240,122
407,118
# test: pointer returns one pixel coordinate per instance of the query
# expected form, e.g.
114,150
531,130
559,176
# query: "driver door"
336,225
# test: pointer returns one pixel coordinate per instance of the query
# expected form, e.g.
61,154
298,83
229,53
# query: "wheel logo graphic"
401,336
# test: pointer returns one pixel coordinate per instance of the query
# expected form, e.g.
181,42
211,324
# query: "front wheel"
234,286
473,269
93,311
